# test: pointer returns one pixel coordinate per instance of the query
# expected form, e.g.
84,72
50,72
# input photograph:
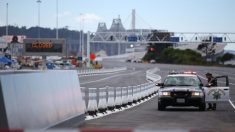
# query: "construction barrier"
109,97
40,99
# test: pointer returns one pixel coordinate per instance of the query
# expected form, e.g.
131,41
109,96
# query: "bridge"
120,39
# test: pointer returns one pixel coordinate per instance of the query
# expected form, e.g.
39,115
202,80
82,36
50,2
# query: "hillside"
32,32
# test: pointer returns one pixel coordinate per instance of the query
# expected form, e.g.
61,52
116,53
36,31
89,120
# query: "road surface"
146,115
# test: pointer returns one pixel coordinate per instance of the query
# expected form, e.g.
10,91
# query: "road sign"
132,39
174,39
44,47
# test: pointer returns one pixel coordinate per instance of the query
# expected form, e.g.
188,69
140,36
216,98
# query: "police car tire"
161,106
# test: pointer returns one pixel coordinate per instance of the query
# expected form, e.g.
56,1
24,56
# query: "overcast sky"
171,15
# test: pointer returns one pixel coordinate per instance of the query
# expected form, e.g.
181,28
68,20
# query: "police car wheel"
161,106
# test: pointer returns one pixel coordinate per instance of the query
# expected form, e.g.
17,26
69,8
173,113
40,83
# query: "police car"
186,89
181,89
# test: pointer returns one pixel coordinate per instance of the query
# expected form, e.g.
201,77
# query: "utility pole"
7,19
39,2
133,20
119,45
88,48
57,32
82,36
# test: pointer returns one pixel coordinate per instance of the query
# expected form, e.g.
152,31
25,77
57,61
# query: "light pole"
88,49
7,19
57,32
133,52
82,36
39,2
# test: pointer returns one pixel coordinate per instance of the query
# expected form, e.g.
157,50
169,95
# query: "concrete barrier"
130,94
40,99
93,99
138,92
85,96
118,96
145,90
135,93
102,103
111,97
124,95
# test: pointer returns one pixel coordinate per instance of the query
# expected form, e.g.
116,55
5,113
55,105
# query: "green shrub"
177,56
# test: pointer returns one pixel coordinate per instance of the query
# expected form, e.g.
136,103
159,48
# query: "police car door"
219,93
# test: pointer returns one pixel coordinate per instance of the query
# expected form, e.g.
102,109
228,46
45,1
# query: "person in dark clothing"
212,82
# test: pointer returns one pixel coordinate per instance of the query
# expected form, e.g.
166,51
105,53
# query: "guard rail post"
139,93
111,98
102,99
124,96
85,96
118,97
145,91
92,107
135,94
130,95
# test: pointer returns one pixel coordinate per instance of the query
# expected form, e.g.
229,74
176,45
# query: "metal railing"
89,72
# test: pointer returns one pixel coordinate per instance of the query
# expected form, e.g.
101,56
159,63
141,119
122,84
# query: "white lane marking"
232,104
110,77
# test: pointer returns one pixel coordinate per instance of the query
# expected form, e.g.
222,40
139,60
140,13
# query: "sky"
171,15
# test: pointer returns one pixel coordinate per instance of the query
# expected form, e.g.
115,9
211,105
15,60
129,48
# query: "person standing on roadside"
212,82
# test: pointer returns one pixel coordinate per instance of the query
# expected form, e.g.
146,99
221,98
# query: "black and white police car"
181,89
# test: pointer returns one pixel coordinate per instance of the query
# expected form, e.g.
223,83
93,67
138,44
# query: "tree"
226,57
178,56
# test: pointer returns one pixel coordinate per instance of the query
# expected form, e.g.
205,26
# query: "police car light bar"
185,72
190,72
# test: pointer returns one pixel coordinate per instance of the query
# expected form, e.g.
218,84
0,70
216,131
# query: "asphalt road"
146,115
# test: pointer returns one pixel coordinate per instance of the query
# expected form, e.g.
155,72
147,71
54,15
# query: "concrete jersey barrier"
40,99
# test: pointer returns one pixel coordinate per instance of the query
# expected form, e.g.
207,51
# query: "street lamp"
81,35
57,32
133,52
7,19
38,1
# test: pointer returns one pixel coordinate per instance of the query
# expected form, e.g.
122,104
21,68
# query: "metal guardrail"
109,98
89,72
